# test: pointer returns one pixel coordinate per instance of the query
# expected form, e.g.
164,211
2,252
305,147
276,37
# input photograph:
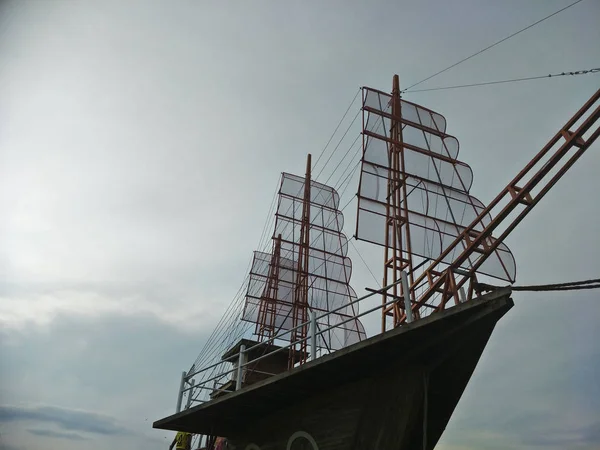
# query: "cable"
337,146
513,80
343,159
572,283
490,46
339,182
571,286
365,263
336,128
224,329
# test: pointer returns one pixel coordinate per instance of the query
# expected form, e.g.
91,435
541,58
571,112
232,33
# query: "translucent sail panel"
257,287
325,295
328,272
325,220
347,331
423,165
281,318
412,136
322,217
381,102
259,272
426,198
429,237
324,265
319,239
320,194
328,278
437,187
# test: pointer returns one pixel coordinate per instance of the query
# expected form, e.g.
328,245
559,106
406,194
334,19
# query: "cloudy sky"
141,143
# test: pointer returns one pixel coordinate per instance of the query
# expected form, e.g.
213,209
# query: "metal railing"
238,369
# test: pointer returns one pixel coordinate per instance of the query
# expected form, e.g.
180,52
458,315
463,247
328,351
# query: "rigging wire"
230,313
339,182
336,128
338,145
570,286
493,45
512,80
343,158
365,263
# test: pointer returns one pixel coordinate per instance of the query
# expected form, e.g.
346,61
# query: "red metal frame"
520,196
464,244
298,350
265,326
395,260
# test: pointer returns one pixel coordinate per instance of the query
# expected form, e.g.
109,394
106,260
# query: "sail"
438,201
329,267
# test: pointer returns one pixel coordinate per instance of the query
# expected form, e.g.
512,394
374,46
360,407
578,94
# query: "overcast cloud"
140,146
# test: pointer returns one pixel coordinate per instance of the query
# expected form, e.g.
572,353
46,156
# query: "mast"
265,326
411,174
411,177
300,303
308,267
396,258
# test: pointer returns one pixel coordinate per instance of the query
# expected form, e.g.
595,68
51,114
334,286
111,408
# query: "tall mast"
300,304
396,258
308,260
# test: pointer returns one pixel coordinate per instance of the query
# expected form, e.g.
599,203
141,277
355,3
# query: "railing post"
238,381
180,396
407,305
313,334
463,296
189,397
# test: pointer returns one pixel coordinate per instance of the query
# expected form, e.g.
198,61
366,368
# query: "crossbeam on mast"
520,196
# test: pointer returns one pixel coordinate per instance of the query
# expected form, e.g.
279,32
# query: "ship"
307,375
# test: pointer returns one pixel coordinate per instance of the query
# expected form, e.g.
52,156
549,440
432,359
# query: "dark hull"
393,391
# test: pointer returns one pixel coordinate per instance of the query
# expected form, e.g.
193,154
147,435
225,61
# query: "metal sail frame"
464,247
308,269
427,195
396,218
520,196
299,333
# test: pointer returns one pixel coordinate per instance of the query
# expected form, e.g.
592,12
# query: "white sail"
329,268
438,201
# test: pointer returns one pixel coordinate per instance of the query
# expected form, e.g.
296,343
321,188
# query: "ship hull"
394,391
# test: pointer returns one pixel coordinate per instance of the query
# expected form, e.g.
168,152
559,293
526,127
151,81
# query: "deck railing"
213,375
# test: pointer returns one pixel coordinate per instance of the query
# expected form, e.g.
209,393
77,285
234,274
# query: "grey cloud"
563,436
9,446
69,419
57,434
122,366
143,162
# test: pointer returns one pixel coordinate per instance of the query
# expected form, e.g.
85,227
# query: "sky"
141,143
